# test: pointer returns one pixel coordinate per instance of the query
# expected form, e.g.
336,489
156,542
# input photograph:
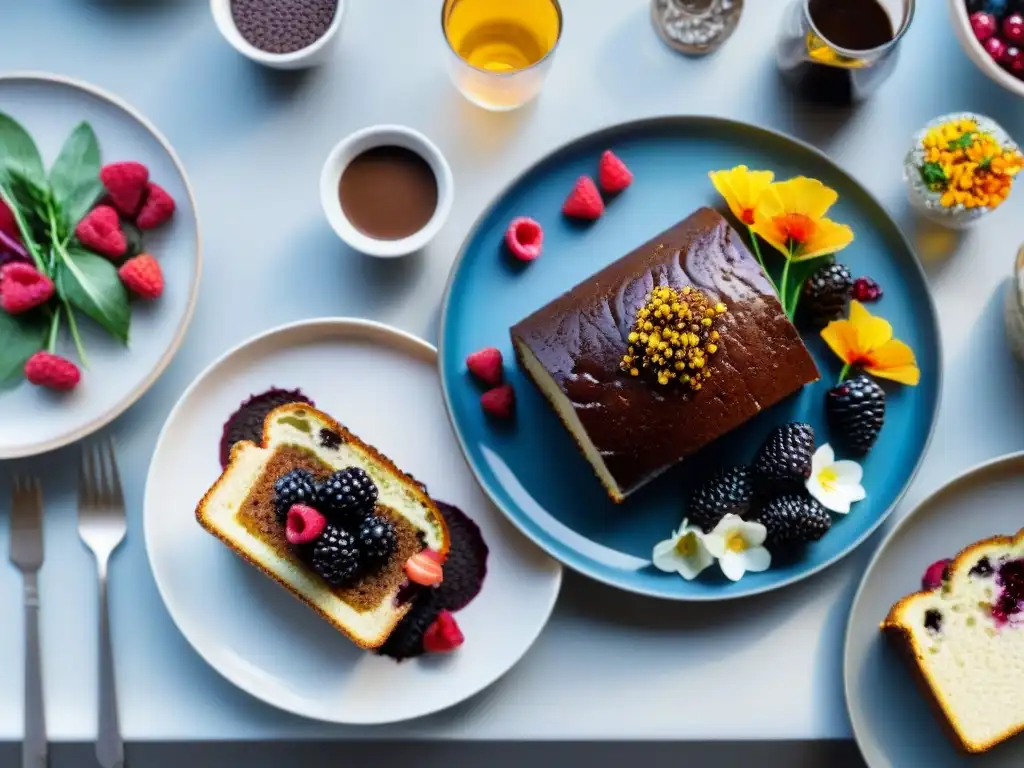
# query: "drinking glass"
820,69
500,50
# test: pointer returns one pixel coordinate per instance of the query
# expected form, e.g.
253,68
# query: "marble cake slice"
631,429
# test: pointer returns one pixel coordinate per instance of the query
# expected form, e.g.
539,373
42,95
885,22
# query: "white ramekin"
309,56
384,136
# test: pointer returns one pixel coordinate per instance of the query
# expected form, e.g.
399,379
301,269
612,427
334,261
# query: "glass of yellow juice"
501,50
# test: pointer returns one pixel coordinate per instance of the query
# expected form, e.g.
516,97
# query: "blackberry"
406,641
856,412
728,490
335,556
825,294
784,459
347,493
295,487
794,519
377,540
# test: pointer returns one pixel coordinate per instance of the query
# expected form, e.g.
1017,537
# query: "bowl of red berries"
992,34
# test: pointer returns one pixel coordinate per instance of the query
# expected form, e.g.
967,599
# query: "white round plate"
891,720
33,420
382,384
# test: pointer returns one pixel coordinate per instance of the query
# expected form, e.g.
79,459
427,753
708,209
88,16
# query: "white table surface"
609,665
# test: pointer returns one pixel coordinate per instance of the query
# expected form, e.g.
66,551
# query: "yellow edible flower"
790,215
741,188
866,341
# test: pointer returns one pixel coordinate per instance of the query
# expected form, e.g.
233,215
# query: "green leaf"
75,175
91,285
17,147
799,271
20,338
933,175
965,140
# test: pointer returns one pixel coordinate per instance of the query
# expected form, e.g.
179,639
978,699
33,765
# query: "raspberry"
45,369
524,238
584,202
304,525
499,402
486,364
937,573
142,276
158,208
444,635
100,231
865,289
126,185
612,173
23,288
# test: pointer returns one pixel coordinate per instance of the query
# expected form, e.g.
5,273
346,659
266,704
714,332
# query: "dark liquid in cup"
855,25
388,193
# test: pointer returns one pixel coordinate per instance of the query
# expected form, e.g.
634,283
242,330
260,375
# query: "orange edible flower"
791,216
741,188
866,341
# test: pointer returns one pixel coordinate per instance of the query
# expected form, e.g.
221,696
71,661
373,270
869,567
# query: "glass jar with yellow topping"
960,167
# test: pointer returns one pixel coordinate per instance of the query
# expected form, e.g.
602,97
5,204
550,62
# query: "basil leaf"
17,147
20,338
75,175
90,284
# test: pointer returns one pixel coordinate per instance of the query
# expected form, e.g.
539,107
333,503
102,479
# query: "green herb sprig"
46,207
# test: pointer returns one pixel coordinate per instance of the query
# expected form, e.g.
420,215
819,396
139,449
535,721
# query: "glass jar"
840,51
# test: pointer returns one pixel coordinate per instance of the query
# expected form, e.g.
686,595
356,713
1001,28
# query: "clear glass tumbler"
840,51
500,50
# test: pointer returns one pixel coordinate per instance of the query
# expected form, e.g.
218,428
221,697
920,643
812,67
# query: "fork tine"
115,479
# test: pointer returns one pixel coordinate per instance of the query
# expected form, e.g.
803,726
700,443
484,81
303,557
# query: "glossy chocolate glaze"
641,428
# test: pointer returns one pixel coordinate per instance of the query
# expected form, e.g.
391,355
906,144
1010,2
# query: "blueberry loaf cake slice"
964,640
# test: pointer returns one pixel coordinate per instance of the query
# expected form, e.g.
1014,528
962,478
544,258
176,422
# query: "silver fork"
101,524
27,555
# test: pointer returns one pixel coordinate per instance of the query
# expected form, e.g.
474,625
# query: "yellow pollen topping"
673,339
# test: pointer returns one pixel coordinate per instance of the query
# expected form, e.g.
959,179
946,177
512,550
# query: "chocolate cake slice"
630,424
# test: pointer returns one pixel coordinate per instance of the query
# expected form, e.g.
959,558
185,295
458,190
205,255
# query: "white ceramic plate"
382,384
32,420
891,721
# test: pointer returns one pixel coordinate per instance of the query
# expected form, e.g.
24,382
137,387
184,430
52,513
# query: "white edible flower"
739,546
836,484
683,553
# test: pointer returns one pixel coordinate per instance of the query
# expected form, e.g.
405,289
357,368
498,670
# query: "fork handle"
33,751
109,746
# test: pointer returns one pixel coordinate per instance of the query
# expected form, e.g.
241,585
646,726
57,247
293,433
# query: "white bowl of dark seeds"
284,34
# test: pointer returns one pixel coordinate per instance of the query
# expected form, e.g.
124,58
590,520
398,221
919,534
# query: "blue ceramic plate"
33,420
533,470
